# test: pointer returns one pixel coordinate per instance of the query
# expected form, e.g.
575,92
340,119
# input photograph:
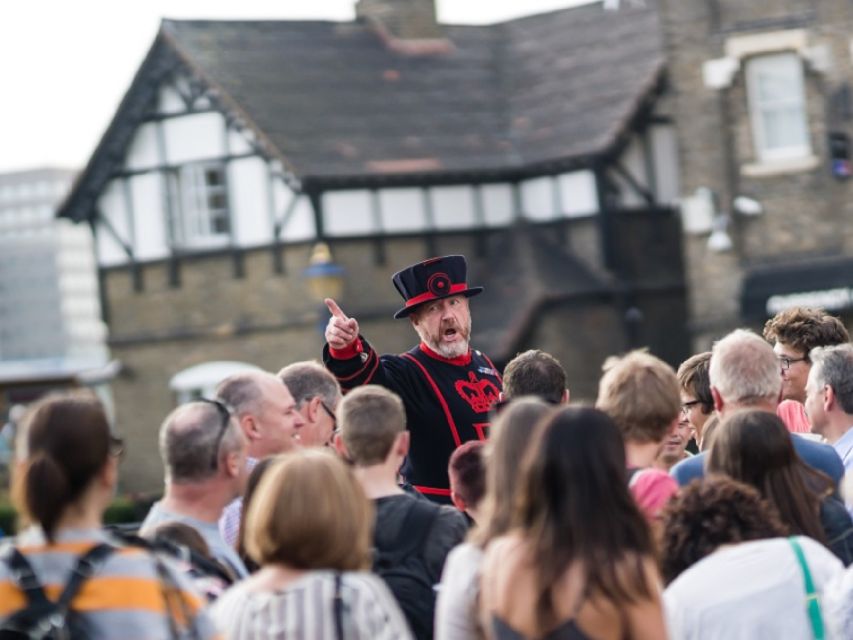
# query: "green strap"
812,602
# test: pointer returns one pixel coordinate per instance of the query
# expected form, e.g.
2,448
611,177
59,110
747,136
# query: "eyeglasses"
685,406
785,361
331,415
225,413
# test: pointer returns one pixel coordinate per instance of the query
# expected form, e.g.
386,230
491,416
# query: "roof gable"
333,103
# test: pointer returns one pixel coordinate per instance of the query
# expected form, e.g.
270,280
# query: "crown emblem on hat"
480,394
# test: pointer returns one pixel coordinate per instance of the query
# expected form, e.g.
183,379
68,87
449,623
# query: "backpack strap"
25,577
86,567
338,602
415,527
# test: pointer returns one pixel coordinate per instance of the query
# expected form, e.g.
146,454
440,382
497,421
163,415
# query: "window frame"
195,221
759,109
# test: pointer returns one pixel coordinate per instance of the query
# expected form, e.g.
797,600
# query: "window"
777,107
199,203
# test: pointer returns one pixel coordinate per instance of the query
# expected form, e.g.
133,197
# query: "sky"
65,64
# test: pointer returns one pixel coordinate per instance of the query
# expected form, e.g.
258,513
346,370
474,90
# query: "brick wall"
805,212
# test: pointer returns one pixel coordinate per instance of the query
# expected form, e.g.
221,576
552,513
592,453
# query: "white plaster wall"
537,197
149,216
402,210
348,213
237,143
497,204
195,137
248,194
170,101
143,152
112,207
300,224
667,170
578,194
453,207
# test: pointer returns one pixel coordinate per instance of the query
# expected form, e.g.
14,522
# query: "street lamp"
325,278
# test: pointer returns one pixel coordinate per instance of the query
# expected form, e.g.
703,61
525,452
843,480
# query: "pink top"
652,489
793,414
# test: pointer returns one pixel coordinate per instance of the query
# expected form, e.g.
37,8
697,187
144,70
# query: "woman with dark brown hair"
65,477
578,561
755,447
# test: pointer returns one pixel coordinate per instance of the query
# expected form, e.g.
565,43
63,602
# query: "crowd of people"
425,495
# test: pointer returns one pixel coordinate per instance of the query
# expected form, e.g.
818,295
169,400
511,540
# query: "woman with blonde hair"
512,431
308,527
578,560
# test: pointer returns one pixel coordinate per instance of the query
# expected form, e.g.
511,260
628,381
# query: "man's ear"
501,397
340,447
313,409
233,461
250,426
458,502
829,399
719,403
567,396
401,444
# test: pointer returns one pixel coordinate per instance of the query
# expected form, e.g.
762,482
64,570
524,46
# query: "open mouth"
449,335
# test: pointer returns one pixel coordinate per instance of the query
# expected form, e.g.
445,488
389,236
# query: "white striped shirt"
304,610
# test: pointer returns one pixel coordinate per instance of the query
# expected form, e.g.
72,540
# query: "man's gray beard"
448,351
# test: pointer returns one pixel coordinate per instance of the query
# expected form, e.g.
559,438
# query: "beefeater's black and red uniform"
447,401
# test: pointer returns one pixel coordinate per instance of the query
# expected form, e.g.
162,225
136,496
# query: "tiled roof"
335,104
336,101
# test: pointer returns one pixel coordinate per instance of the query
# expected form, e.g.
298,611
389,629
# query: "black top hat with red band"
432,279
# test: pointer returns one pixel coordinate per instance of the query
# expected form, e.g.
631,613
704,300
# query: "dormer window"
199,196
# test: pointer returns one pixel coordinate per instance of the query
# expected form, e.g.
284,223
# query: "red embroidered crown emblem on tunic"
480,394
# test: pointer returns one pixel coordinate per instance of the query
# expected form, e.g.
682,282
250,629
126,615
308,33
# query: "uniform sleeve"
448,530
360,365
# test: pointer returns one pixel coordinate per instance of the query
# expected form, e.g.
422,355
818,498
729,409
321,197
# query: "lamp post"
325,278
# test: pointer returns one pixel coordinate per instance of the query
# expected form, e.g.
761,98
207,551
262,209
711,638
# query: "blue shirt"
844,447
815,454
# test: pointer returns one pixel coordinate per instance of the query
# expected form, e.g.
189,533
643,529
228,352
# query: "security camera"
748,206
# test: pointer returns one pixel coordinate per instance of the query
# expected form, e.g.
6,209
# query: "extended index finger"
334,309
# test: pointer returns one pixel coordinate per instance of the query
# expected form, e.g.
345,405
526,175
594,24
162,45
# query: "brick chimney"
401,20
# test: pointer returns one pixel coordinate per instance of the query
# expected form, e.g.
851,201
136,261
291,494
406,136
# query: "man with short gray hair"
316,393
266,413
204,453
829,398
744,373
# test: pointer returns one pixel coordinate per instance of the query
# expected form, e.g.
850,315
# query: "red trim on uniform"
480,428
350,351
460,361
372,354
441,399
494,368
373,371
432,491
426,297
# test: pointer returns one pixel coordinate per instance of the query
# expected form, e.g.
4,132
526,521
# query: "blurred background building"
51,331
542,148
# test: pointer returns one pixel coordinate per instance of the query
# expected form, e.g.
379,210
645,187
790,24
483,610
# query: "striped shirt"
125,597
304,610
